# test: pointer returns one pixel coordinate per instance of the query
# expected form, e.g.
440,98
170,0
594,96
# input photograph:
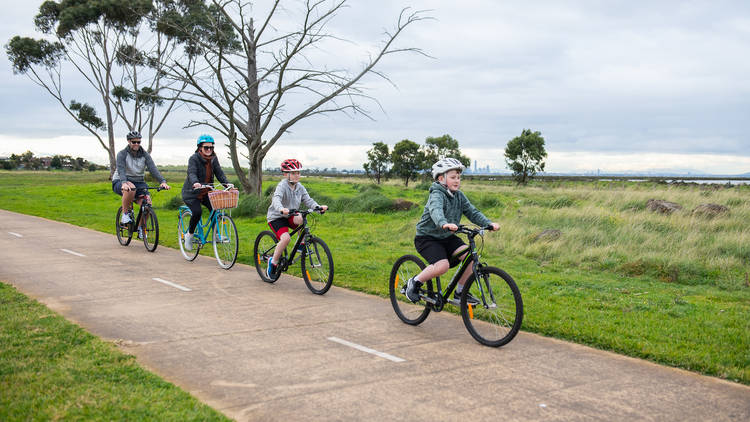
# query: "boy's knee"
297,220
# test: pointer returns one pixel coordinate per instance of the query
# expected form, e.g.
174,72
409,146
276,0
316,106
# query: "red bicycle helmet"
291,164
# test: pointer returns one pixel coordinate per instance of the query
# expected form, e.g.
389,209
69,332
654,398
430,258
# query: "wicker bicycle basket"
222,199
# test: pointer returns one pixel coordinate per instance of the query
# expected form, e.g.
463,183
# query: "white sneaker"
125,218
188,241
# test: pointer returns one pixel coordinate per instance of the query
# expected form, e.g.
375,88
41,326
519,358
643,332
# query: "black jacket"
196,173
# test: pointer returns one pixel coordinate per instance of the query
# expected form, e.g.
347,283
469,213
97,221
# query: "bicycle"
315,257
494,321
148,224
219,225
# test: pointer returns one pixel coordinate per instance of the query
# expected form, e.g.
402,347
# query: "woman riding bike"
202,166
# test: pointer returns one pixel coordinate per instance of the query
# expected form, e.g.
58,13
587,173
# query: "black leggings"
195,207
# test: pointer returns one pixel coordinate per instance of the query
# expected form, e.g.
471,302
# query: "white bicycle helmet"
444,165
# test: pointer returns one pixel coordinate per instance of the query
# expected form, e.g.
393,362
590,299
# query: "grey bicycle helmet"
133,135
444,165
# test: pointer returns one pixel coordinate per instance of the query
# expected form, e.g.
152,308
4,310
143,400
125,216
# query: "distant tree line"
408,160
524,155
28,161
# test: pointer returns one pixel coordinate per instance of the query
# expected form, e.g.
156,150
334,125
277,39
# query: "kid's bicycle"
219,226
314,255
146,225
494,321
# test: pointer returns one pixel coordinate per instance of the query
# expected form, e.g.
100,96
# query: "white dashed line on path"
15,234
169,283
72,253
366,349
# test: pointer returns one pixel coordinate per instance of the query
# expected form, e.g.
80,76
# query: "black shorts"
140,188
433,249
282,225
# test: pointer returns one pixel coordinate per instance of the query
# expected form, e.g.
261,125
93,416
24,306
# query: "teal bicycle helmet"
205,138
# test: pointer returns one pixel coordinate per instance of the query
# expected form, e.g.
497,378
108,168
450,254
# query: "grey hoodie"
443,207
285,197
132,166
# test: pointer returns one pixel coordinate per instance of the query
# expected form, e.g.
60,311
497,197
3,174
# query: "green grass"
51,369
671,289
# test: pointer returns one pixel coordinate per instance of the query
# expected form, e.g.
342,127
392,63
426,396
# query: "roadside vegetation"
51,369
594,264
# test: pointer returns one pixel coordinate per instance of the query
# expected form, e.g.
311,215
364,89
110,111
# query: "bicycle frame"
206,230
472,256
305,229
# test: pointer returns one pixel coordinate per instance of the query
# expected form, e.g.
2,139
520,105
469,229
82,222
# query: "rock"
403,205
664,207
548,235
710,210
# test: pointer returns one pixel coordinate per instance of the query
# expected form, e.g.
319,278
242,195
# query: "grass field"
669,288
51,369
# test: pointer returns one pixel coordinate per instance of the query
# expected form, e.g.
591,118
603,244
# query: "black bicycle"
146,225
312,252
494,321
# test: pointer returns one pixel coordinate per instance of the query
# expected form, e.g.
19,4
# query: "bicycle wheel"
226,244
183,223
150,227
265,244
124,234
317,266
493,322
405,268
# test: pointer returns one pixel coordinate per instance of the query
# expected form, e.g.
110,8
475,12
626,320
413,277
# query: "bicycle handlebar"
319,210
472,231
212,187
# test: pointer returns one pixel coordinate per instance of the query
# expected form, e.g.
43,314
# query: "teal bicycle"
219,226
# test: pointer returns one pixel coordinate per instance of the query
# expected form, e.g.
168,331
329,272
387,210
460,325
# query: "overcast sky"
611,85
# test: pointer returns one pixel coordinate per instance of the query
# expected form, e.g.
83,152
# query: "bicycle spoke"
406,267
493,322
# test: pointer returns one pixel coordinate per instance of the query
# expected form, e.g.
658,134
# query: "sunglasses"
207,148
135,142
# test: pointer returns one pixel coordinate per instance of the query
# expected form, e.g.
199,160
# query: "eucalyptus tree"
103,42
408,160
252,80
378,161
439,147
525,155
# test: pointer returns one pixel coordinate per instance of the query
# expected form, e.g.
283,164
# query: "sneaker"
140,233
125,218
412,289
470,299
188,241
301,248
271,268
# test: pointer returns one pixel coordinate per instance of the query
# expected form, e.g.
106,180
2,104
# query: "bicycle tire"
317,270
123,232
226,243
403,269
183,223
265,244
497,325
150,230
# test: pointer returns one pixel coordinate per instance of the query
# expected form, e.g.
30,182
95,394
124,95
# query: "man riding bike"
128,179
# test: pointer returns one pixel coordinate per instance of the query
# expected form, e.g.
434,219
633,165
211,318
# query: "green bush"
252,206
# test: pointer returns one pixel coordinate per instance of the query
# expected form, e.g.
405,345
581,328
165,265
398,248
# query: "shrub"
251,206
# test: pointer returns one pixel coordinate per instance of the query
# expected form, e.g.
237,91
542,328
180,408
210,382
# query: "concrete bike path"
257,351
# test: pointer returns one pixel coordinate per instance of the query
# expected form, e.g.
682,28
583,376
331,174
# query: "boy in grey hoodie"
434,240
289,194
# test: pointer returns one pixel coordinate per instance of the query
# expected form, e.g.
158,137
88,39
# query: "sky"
615,86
